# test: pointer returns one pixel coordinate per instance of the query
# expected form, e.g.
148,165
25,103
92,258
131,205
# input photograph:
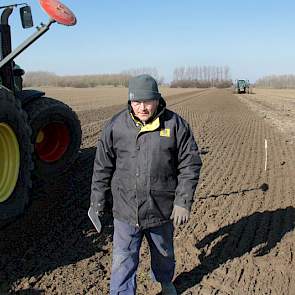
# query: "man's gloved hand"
100,214
179,215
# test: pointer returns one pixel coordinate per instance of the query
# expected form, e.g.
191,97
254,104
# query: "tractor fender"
26,96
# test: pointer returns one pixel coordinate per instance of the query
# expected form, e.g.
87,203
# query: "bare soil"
239,240
277,107
81,99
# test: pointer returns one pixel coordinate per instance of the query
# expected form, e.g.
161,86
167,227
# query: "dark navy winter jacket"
145,169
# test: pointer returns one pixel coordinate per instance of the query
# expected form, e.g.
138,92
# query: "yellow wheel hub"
40,136
10,161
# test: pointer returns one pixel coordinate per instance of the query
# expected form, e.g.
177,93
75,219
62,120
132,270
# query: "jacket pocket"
124,204
163,183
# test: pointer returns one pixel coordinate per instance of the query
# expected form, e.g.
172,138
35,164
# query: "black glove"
179,215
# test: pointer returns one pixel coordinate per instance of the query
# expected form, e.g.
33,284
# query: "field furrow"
239,240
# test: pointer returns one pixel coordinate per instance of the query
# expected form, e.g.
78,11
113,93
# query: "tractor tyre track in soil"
239,240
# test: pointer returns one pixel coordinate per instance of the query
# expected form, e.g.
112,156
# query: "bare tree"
276,81
201,76
226,72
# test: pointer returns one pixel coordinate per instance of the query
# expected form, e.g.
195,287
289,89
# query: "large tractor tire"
56,136
15,157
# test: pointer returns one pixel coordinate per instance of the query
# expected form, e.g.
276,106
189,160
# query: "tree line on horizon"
196,76
276,81
41,78
202,76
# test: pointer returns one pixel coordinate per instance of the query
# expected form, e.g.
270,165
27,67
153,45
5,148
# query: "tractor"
242,86
39,136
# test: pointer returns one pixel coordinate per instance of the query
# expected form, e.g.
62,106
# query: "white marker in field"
265,146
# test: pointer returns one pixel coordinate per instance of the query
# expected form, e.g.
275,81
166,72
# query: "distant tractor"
242,86
39,136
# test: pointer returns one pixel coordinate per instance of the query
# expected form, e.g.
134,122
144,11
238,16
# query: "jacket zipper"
137,203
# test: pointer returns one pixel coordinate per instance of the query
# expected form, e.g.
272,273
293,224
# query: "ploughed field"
239,240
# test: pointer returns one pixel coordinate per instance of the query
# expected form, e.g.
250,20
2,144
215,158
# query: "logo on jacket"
165,132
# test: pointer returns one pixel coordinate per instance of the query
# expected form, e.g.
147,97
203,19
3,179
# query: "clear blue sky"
254,38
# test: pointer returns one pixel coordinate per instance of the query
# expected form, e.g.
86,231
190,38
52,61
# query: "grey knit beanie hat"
143,87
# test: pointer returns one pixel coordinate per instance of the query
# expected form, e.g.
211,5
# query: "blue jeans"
126,245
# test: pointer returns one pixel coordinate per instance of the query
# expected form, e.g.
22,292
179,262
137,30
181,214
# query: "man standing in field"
148,161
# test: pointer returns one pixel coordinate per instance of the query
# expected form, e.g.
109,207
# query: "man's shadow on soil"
259,232
55,231
30,291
